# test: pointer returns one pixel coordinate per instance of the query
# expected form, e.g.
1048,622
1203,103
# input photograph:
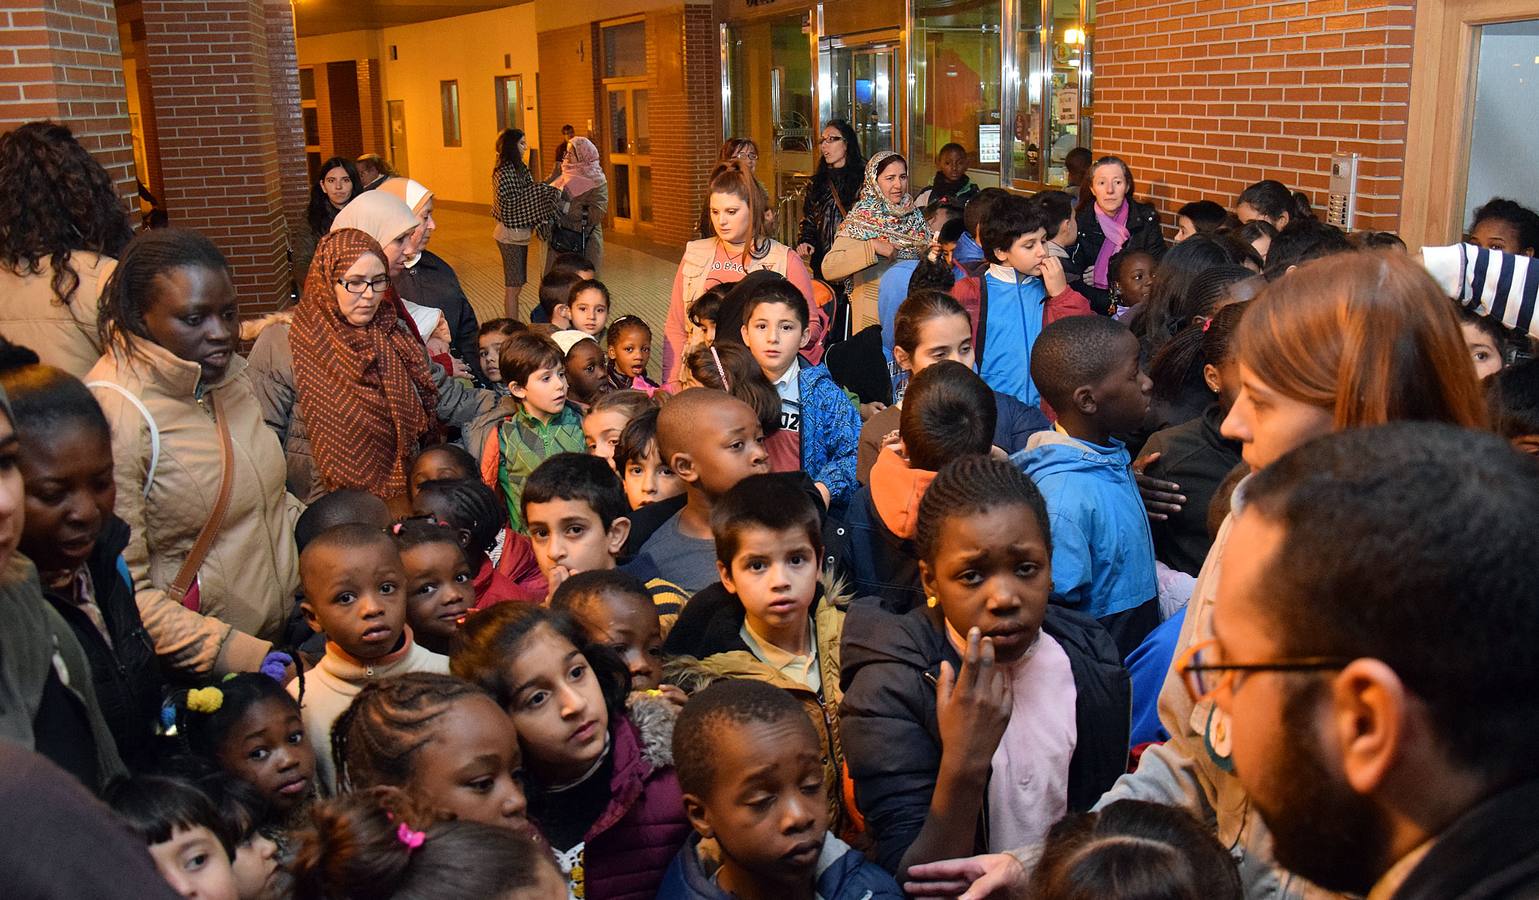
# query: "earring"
930,600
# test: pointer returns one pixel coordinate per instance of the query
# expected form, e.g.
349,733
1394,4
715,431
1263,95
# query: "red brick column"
371,107
1202,101
288,126
686,116
219,148
59,60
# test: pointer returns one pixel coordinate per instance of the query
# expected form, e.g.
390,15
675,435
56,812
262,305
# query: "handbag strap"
149,476
182,583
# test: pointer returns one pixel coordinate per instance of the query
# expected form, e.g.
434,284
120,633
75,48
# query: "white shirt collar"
788,378
1008,274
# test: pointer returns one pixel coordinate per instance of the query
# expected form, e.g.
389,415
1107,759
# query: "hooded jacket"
892,738
1103,552
1196,456
830,432
973,294
882,519
842,873
61,334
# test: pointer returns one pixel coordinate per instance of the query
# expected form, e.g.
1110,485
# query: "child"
353,582
70,533
184,832
601,784
588,307
555,301
769,619
951,185
933,327
1134,848
578,522
442,742
480,521
729,366
748,760
1132,279
439,589
1021,292
543,425
630,349
615,609
374,844
1061,227
1487,340
255,866
705,311
1514,400
586,374
827,424
1103,552
711,441
1033,697
1199,217
344,507
948,412
602,426
1504,225
489,340
250,726
647,480
437,463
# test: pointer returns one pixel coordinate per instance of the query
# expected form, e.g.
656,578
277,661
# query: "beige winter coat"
248,579
33,316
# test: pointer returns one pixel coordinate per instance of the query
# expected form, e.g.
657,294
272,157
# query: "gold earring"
930,600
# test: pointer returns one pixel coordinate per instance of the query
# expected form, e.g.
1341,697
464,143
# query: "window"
449,98
955,87
1051,49
1504,82
510,102
307,83
625,50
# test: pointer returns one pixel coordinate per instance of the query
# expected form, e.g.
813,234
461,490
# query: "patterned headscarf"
365,390
873,217
580,169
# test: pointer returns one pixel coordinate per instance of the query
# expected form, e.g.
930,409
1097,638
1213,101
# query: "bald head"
687,414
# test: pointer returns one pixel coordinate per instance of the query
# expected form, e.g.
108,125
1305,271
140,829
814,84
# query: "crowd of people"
986,546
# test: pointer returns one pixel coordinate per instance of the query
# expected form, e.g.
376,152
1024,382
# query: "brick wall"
371,107
568,85
346,120
684,60
1203,98
59,60
288,128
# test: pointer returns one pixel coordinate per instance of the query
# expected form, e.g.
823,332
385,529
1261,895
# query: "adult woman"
587,199
1349,341
834,188
522,203
747,151
339,183
63,225
883,226
1113,223
197,470
1271,202
739,245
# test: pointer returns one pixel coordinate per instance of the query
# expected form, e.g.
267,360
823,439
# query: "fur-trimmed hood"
251,329
654,718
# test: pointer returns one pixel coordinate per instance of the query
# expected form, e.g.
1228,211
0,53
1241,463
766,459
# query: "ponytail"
733,178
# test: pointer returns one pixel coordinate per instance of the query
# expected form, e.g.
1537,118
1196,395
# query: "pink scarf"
1116,230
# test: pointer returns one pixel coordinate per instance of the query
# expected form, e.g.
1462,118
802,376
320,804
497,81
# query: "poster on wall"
1066,103
988,143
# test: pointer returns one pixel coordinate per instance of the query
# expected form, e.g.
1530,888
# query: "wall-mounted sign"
988,143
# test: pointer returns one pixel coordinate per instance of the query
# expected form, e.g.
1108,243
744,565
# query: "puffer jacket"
842,873
892,738
62,335
830,433
272,377
246,583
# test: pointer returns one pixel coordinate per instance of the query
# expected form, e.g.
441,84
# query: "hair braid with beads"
969,485
376,739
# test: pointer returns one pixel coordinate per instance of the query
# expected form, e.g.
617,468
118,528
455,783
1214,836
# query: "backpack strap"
149,478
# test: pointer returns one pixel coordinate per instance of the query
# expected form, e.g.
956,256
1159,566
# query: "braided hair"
375,740
970,485
466,504
132,285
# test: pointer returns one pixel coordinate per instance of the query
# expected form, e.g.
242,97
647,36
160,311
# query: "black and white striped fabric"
1489,283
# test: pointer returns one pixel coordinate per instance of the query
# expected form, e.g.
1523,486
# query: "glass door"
861,80
630,155
769,96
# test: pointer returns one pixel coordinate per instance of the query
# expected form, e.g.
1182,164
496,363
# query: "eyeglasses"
358,285
831,140
1205,675
751,157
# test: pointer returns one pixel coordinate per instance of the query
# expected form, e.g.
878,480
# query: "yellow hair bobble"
205,700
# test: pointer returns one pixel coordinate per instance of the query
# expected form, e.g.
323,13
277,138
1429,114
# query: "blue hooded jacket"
842,874
1103,551
830,433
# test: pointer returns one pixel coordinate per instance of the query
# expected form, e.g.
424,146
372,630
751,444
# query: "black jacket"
1143,234
1195,456
880,563
891,736
126,675
1490,852
822,216
432,282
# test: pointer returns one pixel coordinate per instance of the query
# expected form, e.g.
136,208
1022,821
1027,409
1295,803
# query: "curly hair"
55,198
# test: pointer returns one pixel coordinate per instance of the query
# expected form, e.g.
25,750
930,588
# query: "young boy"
493,334
616,610
969,254
1199,217
1023,290
898,281
588,307
578,521
587,375
947,412
812,407
542,425
355,593
745,756
556,300
951,185
647,480
1103,551
1061,228
186,835
769,619
711,440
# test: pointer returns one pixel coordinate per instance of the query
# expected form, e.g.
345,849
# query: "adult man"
373,171
567,133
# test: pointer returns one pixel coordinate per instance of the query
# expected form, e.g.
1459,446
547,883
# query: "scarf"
415,196
1116,230
873,217
381,215
365,391
580,169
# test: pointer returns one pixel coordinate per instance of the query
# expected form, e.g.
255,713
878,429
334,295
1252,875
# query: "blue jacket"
891,291
830,433
1103,551
842,874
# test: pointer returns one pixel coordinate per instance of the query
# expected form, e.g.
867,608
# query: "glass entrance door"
861,80
630,155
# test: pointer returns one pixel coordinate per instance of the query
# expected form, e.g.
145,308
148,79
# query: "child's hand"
1053,278
1160,498
867,410
671,693
804,250
554,578
972,707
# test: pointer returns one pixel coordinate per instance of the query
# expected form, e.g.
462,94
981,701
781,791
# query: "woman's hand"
1160,498
972,707
804,250
882,246
972,878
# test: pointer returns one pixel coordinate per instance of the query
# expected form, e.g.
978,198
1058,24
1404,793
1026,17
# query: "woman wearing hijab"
883,226
587,198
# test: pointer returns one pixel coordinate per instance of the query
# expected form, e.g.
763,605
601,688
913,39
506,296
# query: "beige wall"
553,14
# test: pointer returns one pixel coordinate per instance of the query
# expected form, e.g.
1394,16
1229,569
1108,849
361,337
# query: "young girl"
441,741
630,349
1487,341
440,462
602,425
616,609
729,366
647,479
243,812
1028,719
932,326
250,726
439,592
1181,390
375,844
589,307
704,313
1132,281
1505,225
601,784
586,371
1134,848
479,522
492,335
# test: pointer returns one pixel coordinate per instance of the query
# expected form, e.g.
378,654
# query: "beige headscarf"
414,193
381,215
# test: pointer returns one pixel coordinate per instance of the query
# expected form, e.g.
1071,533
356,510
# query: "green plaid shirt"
523,442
